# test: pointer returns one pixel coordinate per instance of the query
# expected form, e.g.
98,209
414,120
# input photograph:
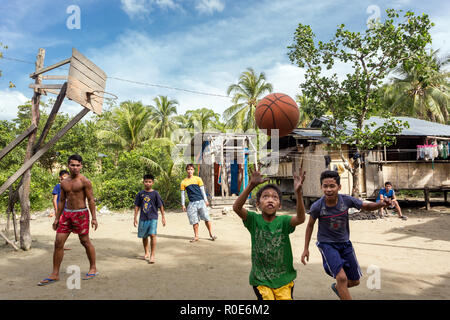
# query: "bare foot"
152,260
213,238
193,240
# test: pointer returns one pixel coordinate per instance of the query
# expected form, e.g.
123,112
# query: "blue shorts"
147,227
339,255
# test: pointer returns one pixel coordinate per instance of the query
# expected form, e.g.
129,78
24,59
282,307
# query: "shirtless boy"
74,218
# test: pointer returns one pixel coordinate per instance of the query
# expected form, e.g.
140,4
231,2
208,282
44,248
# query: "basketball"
277,111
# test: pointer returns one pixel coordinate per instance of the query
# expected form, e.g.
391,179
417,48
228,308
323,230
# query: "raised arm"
238,206
371,206
298,184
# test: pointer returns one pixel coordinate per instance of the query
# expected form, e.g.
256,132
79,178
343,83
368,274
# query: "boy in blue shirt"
148,201
63,174
388,192
333,236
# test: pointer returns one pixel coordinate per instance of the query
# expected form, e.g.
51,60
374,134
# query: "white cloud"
209,6
9,101
142,8
286,78
166,4
136,8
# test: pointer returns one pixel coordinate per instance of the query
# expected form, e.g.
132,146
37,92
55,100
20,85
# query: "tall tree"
127,126
246,95
202,119
304,107
421,93
162,114
372,56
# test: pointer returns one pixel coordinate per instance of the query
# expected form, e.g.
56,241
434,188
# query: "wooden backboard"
86,82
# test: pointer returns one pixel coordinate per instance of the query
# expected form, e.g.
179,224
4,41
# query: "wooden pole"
8,241
51,117
25,236
427,198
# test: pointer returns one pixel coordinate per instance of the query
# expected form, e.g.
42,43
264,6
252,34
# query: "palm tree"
162,116
202,119
421,93
304,104
247,93
126,126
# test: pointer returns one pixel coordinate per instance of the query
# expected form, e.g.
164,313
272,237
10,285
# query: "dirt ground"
412,258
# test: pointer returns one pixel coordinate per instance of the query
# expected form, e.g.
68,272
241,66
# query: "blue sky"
197,45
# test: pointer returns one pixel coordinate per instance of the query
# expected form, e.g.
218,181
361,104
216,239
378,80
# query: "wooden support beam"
27,165
427,198
24,194
45,86
51,77
9,241
17,140
53,66
51,91
51,117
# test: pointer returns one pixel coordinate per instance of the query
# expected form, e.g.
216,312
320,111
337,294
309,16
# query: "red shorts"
76,221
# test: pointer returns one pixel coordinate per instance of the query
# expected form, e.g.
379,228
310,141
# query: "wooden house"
221,160
404,164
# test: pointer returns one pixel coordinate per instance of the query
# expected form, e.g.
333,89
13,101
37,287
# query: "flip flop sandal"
333,287
46,281
89,276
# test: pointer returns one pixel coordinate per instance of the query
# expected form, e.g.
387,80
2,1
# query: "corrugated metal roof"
417,127
310,133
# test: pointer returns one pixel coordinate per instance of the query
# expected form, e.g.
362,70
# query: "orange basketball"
277,111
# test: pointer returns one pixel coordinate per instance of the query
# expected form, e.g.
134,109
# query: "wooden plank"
51,117
77,92
402,180
24,194
86,75
80,57
421,175
54,77
51,91
53,66
17,140
426,193
28,164
9,241
45,86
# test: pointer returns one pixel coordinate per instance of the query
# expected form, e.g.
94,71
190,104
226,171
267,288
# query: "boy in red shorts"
73,217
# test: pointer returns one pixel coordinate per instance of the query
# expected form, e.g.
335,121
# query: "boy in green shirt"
272,271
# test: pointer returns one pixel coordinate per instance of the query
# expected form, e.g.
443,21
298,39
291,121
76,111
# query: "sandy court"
412,258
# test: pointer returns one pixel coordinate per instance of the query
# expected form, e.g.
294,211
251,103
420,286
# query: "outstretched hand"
256,178
298,180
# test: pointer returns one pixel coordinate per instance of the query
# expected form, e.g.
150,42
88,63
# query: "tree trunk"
355,177
25,235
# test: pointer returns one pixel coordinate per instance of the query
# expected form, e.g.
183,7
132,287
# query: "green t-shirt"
272,262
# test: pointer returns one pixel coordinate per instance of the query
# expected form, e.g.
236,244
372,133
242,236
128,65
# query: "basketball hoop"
95,93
